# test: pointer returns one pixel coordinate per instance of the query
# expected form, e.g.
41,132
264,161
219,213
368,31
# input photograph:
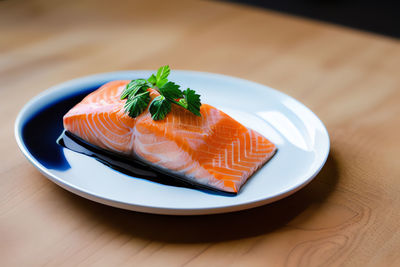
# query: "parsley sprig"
138,98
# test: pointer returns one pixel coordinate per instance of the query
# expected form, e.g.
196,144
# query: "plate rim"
19,122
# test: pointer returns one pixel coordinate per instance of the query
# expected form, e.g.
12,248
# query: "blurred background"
381,17
47,42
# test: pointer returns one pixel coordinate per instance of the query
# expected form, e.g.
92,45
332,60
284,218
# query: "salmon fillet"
213,150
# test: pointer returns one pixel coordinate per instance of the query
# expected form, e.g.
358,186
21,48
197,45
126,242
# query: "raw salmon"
213,150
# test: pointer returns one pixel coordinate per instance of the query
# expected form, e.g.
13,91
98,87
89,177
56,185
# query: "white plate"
301,138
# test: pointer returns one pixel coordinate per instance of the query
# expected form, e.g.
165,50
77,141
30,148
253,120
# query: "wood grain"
349,215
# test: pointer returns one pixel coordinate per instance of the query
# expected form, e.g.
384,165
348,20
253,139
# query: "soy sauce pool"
45,127
41,131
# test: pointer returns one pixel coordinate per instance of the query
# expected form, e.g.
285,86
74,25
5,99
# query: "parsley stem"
179,104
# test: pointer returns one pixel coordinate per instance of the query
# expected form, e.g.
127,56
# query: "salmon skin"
212,150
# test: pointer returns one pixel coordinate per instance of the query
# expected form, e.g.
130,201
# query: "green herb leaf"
161,83
171,91
138,97
136,104
152,80
163,73
159,108
134,87
192,101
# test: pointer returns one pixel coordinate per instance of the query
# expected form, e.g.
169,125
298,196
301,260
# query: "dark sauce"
44,127
129,165
45,138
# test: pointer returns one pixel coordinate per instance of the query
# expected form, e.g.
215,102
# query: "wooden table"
349,215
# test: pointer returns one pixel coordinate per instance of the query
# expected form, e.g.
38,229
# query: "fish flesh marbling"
212,150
